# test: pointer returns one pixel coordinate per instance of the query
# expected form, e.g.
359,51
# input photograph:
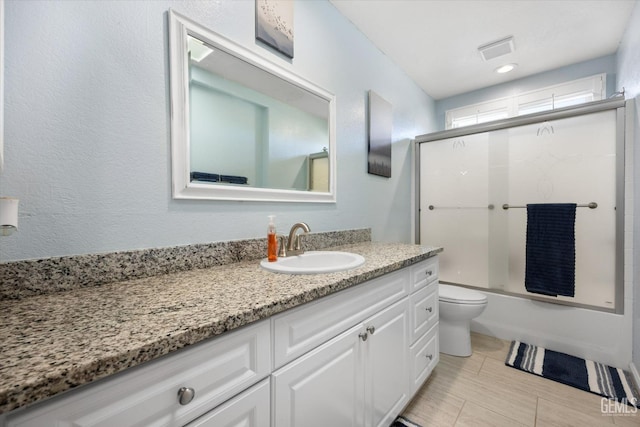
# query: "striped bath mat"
584,374
403,422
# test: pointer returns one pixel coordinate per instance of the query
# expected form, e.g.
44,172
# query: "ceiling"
436,41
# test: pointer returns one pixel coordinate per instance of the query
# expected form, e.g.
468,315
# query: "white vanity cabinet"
424,350
368,350
353,358
149,395
357,378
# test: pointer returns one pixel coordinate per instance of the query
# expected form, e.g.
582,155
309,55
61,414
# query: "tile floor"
481,391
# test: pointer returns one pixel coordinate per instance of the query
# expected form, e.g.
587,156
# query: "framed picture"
380,127
274,24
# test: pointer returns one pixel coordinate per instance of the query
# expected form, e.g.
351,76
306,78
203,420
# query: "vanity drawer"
148,395
425,354
251,408
424,310
423,273
303,328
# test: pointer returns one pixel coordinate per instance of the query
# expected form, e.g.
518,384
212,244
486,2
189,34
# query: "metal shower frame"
622,107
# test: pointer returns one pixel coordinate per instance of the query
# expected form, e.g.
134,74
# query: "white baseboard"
635,374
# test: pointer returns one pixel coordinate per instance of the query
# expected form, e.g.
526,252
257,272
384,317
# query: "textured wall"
629,78
87,127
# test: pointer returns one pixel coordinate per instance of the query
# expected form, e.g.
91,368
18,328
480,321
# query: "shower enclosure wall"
474,184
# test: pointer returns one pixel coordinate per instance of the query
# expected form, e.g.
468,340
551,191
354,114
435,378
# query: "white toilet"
457,307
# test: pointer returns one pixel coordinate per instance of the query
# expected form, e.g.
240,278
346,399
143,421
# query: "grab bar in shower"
591,205
431,207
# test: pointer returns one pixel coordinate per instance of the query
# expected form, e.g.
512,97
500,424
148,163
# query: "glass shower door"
465,181
454,206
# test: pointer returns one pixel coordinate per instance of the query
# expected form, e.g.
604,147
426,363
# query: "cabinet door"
251,408
425,354
324,387
387,374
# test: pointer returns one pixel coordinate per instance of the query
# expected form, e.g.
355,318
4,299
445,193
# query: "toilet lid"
459,295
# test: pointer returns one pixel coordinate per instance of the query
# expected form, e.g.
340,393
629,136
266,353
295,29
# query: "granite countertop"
56,342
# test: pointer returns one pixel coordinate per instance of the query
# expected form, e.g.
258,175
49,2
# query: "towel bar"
431,207
591,205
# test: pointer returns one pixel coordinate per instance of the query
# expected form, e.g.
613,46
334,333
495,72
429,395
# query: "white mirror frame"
182,187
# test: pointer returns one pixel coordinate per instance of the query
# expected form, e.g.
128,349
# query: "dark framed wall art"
380,128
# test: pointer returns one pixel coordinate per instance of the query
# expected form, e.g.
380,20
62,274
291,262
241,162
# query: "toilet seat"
458,295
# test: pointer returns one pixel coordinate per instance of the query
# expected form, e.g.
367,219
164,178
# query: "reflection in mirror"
319,171
242,127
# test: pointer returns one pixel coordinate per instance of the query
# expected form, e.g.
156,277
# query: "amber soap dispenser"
272,241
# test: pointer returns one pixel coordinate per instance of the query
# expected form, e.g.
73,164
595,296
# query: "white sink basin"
314,262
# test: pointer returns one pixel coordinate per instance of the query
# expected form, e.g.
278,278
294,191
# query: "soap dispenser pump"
272,241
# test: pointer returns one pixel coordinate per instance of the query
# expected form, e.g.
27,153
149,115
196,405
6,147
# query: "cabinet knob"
186,395
430,356
363,336
429,309
371,329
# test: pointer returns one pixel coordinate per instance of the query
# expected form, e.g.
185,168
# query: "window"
549,98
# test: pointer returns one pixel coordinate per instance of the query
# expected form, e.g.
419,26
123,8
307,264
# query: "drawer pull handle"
429,309
186,395
363,337
430,356
371,329
429,273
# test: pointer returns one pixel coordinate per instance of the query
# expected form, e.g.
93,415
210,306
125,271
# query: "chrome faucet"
294,247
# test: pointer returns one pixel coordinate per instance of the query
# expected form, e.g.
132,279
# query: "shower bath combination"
475,182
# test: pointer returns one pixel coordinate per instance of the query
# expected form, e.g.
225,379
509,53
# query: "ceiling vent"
496,49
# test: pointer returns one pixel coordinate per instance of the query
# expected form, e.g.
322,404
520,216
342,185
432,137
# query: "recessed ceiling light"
506,68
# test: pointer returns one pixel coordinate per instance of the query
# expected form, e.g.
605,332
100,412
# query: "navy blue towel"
551,249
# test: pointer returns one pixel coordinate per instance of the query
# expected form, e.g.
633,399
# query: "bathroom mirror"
242,127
